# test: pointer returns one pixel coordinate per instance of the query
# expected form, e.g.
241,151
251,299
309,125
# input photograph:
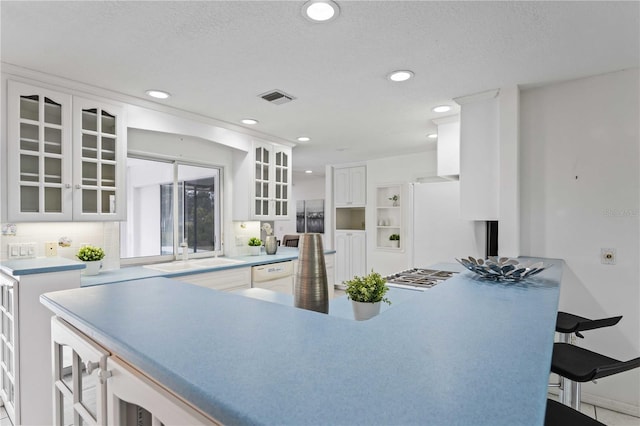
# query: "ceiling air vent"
277,97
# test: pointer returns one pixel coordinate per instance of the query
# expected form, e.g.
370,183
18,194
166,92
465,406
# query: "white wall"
580,193
401,169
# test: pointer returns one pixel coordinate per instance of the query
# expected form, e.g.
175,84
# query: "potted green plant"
395,240
366,294
395,199
254,246
92,257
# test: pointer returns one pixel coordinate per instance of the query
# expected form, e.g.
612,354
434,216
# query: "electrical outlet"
608,256
51,249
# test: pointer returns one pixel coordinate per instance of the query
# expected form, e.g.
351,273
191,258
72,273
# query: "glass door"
282,179
262,195
98,165
39,129
8,344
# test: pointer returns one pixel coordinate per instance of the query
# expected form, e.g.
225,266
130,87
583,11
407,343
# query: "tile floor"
4,419
608,417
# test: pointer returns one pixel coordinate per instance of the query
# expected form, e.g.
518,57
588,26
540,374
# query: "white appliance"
273,276
439,235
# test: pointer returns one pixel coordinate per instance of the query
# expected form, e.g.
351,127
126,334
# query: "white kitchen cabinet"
225,280
479,156
350,186
350,255
65,157
25,339
79,377
132,398
93,387
390,217
271,193
99,155
39,154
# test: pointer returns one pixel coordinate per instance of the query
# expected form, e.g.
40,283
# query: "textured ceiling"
216,57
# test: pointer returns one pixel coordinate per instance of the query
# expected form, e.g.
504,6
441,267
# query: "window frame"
142,260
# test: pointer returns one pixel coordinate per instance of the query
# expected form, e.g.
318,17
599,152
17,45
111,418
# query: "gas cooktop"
418,278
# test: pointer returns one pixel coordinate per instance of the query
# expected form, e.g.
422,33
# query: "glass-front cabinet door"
282,182
39,154
99,159
262,195
272,182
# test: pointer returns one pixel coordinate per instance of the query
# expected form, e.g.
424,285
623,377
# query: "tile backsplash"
101,234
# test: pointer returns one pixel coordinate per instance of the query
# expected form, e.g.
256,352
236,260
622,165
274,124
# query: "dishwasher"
273,276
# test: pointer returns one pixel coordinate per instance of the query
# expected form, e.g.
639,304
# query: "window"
155,190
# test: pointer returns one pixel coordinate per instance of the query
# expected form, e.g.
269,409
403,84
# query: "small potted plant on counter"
92,258
395,240
254,246
366,294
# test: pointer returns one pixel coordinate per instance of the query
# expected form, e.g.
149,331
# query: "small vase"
270,244
92,268
254,250
364,310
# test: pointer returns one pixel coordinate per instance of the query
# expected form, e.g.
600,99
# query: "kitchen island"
466,352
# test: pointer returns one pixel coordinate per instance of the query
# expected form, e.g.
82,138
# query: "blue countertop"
40,265
465,352
43,265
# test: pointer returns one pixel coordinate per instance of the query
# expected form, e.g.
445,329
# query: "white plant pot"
254,250
364,310
395,243
93,267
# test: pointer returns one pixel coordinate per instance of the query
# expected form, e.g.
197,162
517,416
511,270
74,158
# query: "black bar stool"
567,324
581,365
558,414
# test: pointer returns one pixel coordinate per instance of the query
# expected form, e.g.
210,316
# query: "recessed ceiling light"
249,121
308,171
320,10
304,139
158,94
432,136
442,108
402,75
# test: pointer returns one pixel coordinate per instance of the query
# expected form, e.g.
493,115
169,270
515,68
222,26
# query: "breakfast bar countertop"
465,352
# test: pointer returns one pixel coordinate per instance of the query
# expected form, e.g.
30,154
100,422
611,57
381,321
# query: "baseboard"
609,404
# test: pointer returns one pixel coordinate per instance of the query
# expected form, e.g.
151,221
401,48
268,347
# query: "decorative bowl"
502,268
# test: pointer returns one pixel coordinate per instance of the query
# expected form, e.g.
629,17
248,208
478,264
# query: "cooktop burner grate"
419,277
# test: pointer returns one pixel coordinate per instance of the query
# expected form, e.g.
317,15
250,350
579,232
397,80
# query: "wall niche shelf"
389,217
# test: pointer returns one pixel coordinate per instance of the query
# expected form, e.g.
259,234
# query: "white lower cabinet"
25,353
350,255
226,280
133,399
92,387
79,377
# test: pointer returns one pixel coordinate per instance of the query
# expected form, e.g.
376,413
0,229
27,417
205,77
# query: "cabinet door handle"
90,366
78,186
104,375
67,185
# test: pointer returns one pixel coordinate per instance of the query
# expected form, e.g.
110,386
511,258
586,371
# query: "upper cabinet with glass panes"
65,157
271,195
